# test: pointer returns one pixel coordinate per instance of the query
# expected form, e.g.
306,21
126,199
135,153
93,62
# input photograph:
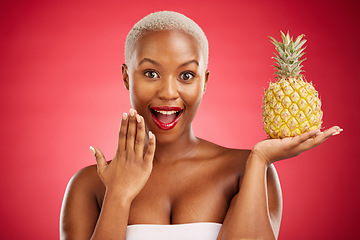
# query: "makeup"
166,117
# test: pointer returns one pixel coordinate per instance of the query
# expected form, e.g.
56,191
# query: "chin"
166,137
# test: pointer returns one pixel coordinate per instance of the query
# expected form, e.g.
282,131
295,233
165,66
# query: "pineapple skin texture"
291,106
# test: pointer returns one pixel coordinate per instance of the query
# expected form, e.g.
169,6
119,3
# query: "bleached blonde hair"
165,20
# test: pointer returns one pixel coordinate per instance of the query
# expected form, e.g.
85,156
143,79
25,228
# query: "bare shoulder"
231,157
235,161
85,181
80,208
86,178
228,164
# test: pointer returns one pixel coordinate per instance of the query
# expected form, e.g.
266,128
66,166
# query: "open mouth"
166,117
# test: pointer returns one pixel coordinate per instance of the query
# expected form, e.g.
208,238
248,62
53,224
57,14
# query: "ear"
207,73
125,74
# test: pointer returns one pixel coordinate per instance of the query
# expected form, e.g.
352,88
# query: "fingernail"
132,112
124,116
92,150
138,118
151,135
335,133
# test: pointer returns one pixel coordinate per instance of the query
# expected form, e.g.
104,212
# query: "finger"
140,137
131,131
336,130
122,133
100,159
150,150
328,133
320,137
305,136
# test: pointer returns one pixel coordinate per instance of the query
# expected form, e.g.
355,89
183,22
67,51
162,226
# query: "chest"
183,194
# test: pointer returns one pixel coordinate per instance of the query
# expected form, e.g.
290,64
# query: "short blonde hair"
165,20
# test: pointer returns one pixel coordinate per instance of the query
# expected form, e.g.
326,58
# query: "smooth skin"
175,177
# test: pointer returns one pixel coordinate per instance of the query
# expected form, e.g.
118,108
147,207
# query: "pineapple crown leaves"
288,55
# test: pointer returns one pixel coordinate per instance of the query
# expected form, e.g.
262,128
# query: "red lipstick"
166,117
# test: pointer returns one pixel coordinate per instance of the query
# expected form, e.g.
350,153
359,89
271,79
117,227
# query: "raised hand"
130,169
272,150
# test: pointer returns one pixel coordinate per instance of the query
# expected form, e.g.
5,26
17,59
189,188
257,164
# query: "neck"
183,147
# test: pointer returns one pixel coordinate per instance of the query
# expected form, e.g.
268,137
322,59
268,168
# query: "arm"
80,211
123,177
255,212
259,202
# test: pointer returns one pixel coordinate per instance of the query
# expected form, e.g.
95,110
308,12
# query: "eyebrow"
149,60
189,62
158,64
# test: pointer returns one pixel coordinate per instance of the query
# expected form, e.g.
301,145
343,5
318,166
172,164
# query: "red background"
61,91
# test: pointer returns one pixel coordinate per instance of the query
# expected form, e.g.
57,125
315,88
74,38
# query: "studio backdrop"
61,91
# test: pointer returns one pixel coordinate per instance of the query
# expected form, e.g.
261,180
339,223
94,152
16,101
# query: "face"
166,77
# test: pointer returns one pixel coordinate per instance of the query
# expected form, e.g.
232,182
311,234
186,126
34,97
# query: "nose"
168,89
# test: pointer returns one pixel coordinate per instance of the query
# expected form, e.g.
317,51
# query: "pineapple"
291,105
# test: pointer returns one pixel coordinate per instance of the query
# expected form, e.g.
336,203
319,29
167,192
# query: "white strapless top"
188,231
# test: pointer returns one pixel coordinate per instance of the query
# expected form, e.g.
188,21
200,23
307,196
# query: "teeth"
166,112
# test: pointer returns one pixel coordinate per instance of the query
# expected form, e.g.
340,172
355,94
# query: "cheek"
140,94
192,95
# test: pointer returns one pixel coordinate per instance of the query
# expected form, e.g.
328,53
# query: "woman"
175,185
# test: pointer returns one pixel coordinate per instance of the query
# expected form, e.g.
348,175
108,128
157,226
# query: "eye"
151,74
187,76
